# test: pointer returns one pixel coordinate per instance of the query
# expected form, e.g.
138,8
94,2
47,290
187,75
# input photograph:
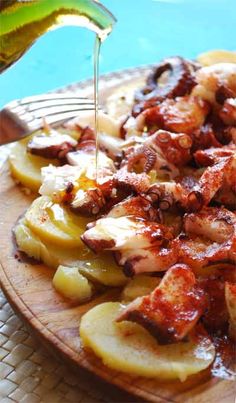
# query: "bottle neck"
91,13
23,22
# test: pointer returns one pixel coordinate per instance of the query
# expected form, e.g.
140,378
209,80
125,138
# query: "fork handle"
11,129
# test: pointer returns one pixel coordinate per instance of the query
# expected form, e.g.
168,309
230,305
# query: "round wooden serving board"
55,322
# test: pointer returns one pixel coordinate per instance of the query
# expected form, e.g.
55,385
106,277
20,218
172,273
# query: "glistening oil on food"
157,220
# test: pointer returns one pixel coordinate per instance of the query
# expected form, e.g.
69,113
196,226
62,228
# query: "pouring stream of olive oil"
96,53
22,22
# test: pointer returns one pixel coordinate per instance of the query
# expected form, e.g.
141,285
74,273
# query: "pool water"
146,31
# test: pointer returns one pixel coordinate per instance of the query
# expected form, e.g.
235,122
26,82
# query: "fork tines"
27,114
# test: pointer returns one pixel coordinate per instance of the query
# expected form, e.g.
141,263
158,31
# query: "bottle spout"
23,22
100,18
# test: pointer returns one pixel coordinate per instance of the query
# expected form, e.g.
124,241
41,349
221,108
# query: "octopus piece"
228,111
213,154
85,157
175,147
171,311
89,196
88,192
211,80
205,137
76,184
138,206
68,184
171,78
157,152
142,260
209,237
224,157
229,134
150,260
216,317
109,145
180,115
172,219
128,232
230,297
165,195
226,197
130,182
87,141
223,93
140,245
53,145
87,162
209,184
143,157
88,202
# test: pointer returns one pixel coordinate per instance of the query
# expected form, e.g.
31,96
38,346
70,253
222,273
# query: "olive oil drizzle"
97,47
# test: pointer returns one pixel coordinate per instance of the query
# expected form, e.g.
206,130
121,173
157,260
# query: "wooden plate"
55,322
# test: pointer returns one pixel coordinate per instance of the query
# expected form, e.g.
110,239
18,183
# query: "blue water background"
146,31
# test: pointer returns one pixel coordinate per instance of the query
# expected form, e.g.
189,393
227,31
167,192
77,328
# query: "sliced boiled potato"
216,56
29,243
140,285
54,223
103,269
128,347
71,284
25,167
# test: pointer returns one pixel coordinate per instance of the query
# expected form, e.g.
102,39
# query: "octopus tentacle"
142,155
175,147
162,152
165,195
179,82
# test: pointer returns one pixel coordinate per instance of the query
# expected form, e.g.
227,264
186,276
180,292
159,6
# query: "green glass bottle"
22,22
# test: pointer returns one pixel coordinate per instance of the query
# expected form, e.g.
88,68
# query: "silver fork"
21,117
